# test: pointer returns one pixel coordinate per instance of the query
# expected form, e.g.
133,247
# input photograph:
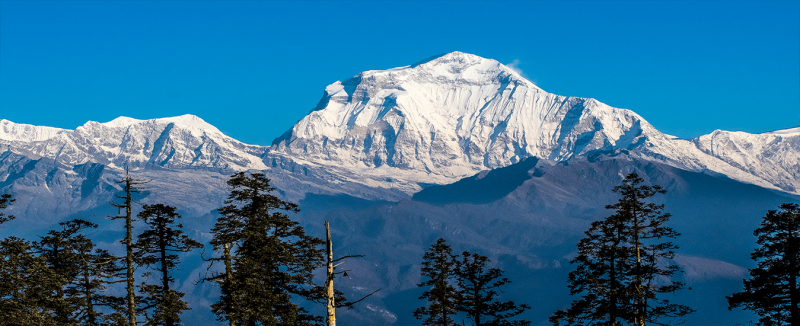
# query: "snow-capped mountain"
178,142
434,122
454,115
362,157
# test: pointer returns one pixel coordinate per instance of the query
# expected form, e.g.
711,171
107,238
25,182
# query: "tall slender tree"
621,269
772,290
601,275
5,200
334,298
97,269
477,291
159,245
439,267
130,188
271,258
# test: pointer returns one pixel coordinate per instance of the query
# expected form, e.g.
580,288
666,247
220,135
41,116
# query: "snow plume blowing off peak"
452,115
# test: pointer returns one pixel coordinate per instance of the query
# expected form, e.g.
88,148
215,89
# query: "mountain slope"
434,122
456,146
458,114
178,142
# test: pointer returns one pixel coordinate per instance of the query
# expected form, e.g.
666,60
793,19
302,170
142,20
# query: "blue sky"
254,68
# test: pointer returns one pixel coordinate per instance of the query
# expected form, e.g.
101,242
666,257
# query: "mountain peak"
447,57
453,67
186,121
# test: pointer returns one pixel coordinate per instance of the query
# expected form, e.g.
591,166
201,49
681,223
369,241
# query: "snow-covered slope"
10,131
433,122
178,142
773,156
457,114
453,115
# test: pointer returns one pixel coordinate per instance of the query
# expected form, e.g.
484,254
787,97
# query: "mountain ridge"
437,121
522,178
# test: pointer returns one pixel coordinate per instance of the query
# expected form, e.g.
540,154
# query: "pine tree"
620,268
477,291
601,272
130,187
772,291
96,270
269,259
28,286
439,267
5,200
60,250
160,245
69,254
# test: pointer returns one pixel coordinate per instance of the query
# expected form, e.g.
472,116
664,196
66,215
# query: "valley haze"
455,146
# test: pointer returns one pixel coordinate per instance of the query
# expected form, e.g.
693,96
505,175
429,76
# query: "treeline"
623,273
266,258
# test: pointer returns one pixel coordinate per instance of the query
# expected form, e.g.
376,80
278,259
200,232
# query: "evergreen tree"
600,274
772,291
28,286
160,245
60,250
439,267
272,261
620,268
477,291
5,200
96,270
130,188
69,254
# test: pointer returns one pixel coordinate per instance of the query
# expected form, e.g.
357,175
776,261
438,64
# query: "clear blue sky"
254,68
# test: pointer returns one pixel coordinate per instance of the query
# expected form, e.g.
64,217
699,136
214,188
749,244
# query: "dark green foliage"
28,286
69,255
96,269
160,245
478,290
61,248
772,291
601,274
5,200
269,258
621,269
439,267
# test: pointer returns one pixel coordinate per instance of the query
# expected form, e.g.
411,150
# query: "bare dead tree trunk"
130,186
330,319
